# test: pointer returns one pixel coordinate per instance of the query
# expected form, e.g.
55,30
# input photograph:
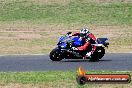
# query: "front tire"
55,55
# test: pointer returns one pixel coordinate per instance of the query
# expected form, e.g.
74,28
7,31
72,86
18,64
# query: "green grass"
74,12
67,78
46,76
30,15
35,77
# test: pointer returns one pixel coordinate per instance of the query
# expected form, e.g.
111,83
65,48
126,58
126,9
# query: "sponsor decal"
83,78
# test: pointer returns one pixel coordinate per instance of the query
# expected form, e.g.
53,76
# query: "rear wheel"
94,57
101,52
98,54
55,55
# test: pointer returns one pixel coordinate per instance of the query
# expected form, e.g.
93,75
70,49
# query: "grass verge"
42,38
52,79
34,26
76,11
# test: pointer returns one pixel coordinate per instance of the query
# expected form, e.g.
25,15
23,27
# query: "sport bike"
64,48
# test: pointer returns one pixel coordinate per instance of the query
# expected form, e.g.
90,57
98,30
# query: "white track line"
22,54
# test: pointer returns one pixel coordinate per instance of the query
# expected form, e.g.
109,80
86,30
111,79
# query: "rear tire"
55,55
94,57
101,54
97,55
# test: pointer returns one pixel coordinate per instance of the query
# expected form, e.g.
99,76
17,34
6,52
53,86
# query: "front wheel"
55,55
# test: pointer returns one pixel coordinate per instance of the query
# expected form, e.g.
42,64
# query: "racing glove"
69,34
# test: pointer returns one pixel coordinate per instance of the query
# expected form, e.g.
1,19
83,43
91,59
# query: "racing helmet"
84,32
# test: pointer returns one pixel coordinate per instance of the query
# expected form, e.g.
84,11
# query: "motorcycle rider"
86,36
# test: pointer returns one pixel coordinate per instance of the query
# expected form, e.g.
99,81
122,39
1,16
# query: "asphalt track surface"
118,62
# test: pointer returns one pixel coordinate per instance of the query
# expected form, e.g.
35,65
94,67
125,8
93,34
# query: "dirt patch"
40,38
107,1
65,85
24,36
109,31
112,86
18,86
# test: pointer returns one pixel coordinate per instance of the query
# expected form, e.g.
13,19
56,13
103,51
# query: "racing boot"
88,55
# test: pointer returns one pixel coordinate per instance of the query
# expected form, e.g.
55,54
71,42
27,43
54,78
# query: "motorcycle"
64,48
